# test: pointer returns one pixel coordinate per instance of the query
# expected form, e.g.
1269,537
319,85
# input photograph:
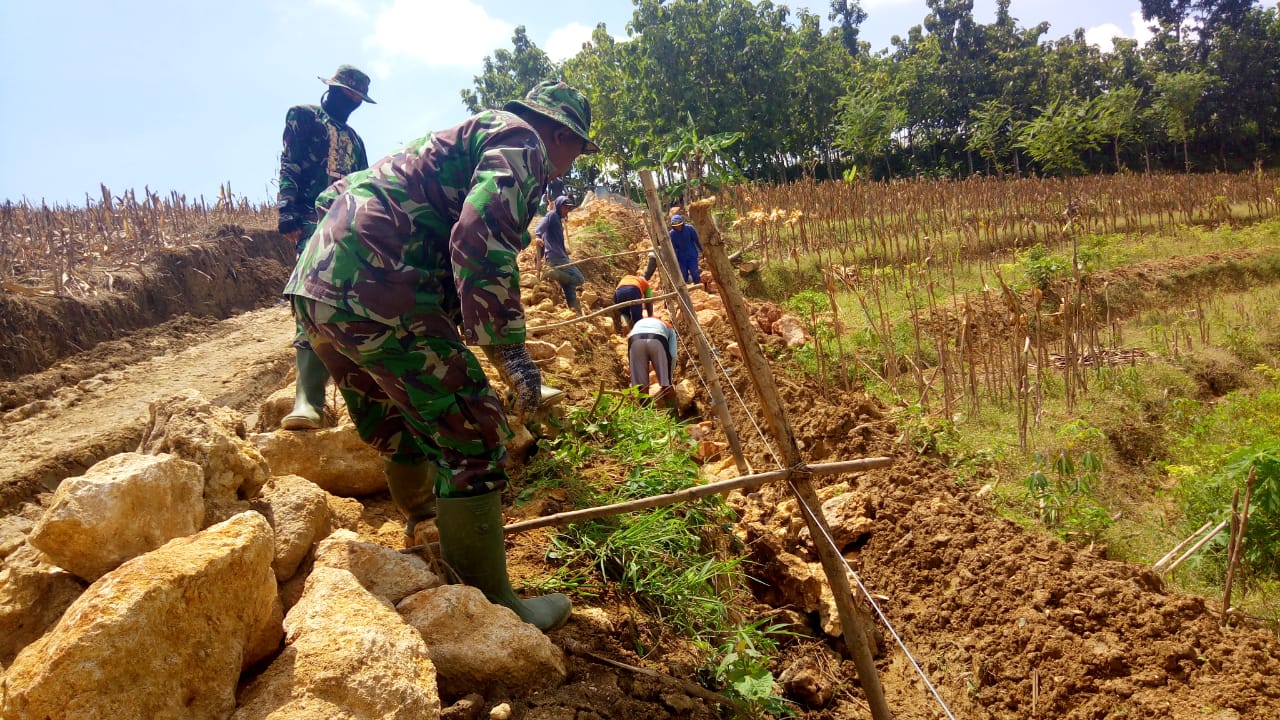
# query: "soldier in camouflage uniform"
319,149
409,251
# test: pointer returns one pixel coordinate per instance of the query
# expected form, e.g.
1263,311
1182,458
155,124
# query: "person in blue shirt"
550,242
684,239
652,342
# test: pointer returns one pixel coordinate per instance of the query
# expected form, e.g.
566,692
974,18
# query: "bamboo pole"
574,647
1178,548
672,277
532,329
1207,537
1237,541
694,493
854,625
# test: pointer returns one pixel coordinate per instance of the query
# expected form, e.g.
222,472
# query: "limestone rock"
477,645
686,394
347,655
521,443
388,574
33,595
163,635
540,349
212,437
336,459
345,513
299,516
791,330
849,518
14,530
280,403
709,319
120,508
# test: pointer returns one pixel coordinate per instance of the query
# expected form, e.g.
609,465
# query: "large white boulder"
122,507
299,514
336,459
478,646
213,437
347,655
164,635
388,574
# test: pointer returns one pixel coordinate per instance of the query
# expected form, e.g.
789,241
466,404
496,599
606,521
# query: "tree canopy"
950,97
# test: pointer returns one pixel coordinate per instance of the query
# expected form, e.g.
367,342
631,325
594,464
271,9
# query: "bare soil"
1005,622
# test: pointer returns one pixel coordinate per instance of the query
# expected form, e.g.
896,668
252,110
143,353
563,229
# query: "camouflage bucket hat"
351,78
559,102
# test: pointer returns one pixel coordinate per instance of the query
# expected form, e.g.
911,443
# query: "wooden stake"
1207,537
1237,540
671,277
694,493
534,329
854,625
1178,548
573,647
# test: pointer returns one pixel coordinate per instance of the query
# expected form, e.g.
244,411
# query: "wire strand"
867,594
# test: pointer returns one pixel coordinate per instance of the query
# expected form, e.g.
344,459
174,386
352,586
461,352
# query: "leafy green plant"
743,669
1061,483
660,558
1041,268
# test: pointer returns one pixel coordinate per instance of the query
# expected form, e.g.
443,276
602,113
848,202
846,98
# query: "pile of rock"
215,573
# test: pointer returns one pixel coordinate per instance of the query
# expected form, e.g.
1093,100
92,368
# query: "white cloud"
567,41
1103,35
350,8
438,34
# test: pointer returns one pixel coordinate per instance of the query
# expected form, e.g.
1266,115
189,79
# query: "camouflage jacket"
317,151
427,238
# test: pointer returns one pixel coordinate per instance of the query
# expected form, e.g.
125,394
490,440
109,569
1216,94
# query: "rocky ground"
279,592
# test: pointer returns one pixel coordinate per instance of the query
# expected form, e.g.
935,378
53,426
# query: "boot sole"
299,422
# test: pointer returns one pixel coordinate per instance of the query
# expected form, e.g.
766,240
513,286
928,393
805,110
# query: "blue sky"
187,95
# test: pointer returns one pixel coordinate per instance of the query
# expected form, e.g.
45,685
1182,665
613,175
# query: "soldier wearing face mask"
320,148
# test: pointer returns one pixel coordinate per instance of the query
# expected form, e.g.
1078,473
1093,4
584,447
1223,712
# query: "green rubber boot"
471,543
308,403
413,490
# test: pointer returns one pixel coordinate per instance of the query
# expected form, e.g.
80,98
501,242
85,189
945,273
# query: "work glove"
517,368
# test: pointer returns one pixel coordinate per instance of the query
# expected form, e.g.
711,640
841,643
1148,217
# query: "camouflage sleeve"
491,229
362,159
294,159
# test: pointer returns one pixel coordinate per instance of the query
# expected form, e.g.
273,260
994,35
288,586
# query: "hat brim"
333,83
555,116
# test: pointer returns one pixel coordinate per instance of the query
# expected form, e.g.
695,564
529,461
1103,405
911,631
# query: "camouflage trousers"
299,337
414,398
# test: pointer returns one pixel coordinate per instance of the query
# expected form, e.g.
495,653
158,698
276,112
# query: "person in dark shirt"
551,243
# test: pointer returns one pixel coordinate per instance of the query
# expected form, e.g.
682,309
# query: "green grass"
1096,472
678,562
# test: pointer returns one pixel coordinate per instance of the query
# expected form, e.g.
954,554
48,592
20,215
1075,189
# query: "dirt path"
235,362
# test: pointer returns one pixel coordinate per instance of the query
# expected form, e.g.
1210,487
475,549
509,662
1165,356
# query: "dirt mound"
233,271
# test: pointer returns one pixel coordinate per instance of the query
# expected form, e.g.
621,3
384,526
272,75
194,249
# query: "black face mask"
338,105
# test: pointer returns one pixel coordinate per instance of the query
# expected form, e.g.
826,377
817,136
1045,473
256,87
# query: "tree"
702,159
1210,16
508,74
867,123
1177,95
848,16
1117,116
991,132
1058,137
